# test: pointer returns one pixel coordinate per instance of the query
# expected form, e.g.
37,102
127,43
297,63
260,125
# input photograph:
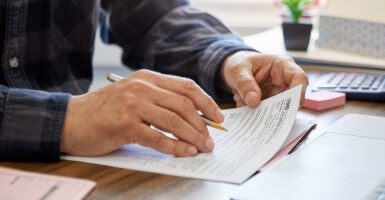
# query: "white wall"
242,16
371,10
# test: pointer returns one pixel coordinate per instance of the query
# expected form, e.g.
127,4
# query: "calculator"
356,86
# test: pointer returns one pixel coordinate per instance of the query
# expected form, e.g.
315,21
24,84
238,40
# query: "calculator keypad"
360,86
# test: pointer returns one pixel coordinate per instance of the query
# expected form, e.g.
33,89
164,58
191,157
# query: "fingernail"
209,144
220,115
250,96
192,150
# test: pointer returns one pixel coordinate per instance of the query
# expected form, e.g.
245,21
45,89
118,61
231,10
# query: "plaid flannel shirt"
46,49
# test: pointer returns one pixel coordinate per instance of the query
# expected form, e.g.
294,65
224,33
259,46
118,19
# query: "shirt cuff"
32,125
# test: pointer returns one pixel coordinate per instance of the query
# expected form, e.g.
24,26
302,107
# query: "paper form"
254,136
16,184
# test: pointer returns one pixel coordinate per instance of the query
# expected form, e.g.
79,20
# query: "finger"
287,74
246,86
169,100
239,104
296,76
191,90
238,100
300,79
149,137
171,122
237,97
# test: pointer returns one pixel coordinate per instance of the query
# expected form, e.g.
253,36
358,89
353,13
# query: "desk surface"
115,183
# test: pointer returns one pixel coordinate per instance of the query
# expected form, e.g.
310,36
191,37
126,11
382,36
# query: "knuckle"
126,138
195,139
304,77
126,100
298,73
241,82
126,123
156,141
285,58
138,85
142,72
210,101
303,74
173,122
174,148
235,68
188,84
187,104
202,128
282,60
129,100
127,131
278,62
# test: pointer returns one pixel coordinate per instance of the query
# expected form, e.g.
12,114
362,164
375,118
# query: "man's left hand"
253,76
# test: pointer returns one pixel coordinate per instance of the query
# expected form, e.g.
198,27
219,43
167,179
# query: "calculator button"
327,86
344,86
337,79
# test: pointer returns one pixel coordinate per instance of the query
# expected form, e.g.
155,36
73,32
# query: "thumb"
247,87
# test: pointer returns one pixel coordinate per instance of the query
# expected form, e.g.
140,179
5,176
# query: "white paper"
254,136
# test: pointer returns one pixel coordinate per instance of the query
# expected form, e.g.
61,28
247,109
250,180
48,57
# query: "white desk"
271,41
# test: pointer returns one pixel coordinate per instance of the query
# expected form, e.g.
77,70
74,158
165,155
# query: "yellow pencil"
113,77
213,124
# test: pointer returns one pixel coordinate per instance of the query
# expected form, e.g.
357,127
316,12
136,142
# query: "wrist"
67,126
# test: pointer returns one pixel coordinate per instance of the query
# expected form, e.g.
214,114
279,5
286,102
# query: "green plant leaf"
297,8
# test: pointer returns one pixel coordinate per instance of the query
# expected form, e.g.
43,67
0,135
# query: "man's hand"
252,76
121,113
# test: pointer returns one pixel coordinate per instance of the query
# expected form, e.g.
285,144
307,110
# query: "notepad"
17,184
323,100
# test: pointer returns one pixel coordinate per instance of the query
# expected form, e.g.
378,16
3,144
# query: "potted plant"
297,22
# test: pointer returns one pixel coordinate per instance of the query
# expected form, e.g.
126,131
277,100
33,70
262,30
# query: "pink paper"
299,130
17,184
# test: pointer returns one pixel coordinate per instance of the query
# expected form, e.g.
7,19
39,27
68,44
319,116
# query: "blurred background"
244,17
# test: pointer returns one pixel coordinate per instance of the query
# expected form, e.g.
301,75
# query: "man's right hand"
102,121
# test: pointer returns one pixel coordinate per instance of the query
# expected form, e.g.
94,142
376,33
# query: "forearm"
31,124
182,41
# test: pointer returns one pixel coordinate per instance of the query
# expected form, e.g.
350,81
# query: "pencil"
213,124
113,78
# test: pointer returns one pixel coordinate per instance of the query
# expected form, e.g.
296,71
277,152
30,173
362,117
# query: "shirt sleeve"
31,124
171,37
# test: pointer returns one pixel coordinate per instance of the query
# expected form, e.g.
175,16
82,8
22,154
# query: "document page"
254,135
